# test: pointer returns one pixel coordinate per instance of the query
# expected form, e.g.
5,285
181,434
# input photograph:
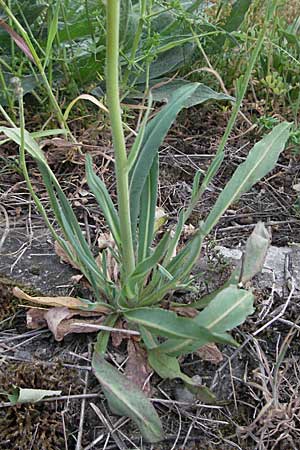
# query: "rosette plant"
148,267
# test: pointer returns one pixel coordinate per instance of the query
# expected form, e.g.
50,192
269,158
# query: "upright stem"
113,101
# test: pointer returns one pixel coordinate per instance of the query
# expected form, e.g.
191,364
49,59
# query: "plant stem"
113,101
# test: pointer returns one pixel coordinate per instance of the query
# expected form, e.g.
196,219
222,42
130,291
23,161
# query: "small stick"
110,428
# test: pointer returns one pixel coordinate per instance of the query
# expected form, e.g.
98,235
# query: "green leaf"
147,212
31,146
62,209
179,269
253,260
166,323
177,347
52,31
175,239
228,309
167,367
103,336
146,265
104,200
261,159
125,399
200,95
24,395
134,151
154,135
237,14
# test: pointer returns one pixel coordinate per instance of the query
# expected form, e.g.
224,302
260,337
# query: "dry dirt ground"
256,385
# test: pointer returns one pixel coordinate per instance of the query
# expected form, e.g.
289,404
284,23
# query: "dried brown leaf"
35,318
137,368
62,321
211,353
185,311
68,302
63,256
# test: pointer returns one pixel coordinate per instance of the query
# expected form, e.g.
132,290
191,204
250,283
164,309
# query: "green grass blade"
134,151
52,31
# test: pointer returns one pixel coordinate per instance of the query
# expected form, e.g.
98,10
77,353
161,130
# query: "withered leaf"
68,302
63,256
137,367
211,353
62,321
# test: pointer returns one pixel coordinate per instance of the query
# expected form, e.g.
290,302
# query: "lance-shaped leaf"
154,135
126,400
203,93
261,159
31,145
253,260
166,323
168,367
104,200
147,211
145,266
227,310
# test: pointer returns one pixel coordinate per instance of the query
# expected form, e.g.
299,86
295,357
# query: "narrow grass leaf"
134,151
52,31
31,146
